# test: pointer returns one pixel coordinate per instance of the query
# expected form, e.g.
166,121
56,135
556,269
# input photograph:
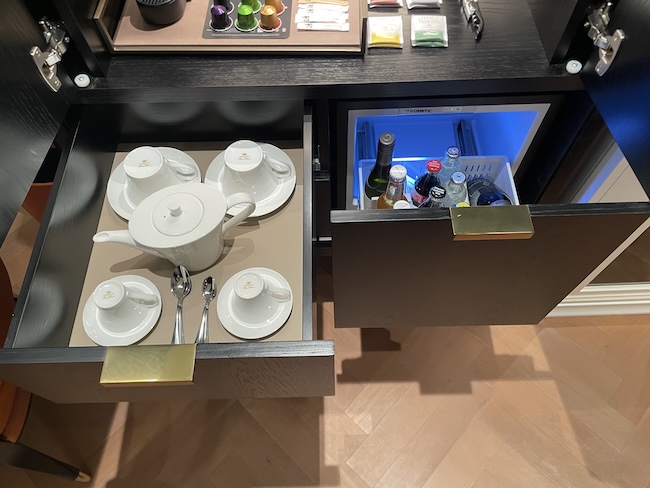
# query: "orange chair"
36,199
14,407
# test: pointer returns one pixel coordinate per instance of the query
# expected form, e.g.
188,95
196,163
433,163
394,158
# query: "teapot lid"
177,215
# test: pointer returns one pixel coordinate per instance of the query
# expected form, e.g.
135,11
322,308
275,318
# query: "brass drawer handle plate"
148,365
491,223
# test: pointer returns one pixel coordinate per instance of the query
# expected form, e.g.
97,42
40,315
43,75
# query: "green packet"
429,31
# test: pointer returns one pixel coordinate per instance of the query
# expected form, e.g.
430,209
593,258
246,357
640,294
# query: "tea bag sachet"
429,31
323,16
385,31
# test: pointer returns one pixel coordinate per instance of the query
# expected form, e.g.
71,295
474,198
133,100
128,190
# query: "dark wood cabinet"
510,60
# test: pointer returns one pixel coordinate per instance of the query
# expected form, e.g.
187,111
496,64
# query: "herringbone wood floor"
563,404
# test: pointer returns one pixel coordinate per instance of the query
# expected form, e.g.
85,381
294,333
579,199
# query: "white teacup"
148,170
249,169
256,300
121,308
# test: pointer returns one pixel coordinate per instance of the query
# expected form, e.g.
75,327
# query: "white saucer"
117,181
105,337
282,193
245,330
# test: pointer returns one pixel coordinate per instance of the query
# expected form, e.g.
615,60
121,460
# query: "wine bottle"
378,179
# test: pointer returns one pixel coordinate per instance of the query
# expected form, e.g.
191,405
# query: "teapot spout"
124,237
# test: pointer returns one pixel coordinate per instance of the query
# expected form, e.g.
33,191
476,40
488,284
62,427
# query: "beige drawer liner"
274,241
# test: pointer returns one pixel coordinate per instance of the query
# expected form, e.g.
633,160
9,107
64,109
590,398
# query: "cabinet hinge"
47,61
608,45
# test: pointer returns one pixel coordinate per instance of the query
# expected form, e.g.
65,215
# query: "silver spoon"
208,293
181,286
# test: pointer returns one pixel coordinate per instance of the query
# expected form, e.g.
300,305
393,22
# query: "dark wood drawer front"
260,370
404,269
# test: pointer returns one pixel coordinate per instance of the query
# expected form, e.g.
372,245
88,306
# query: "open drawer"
37,355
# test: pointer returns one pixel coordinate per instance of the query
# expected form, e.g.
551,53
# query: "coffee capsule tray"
194,32
255,29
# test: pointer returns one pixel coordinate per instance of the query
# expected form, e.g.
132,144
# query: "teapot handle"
238,199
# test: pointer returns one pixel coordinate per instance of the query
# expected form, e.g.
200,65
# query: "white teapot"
182,223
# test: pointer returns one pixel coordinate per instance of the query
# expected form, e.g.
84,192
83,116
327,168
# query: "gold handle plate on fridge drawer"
148,365
487,223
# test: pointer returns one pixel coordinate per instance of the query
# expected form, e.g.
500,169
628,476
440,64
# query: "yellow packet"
385,31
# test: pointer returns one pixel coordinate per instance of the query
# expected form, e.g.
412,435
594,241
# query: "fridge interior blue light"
487,135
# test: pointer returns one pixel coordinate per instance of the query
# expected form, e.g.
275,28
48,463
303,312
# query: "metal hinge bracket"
608,46
46,61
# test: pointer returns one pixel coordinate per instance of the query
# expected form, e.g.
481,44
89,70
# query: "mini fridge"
422,266
492,140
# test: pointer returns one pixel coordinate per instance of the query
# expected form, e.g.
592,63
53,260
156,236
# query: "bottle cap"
401,204
458,177
437,192
387,139
453,151
462,204
398,172
434,165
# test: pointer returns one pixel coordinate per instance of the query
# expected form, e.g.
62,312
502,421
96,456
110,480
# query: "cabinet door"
403,268
30,112
621,93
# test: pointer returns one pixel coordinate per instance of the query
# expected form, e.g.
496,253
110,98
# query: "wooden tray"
134,34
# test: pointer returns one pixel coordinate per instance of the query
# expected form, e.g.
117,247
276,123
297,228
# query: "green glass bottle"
378,179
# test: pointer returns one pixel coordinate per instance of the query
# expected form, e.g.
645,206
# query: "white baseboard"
606,299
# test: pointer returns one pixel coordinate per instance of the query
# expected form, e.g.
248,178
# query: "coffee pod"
225,3
245,19
220,19
269,18
254,4
279,6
